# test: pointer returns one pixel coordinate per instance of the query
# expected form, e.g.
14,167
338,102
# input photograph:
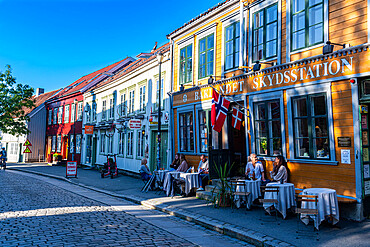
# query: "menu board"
365,154
366,171
365,138
364,121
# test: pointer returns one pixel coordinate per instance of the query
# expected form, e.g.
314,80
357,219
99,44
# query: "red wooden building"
65,111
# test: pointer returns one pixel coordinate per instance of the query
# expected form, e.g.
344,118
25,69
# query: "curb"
244,234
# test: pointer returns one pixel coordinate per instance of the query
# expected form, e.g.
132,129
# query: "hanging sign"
134,124
27,150
27,143
89,130
71,169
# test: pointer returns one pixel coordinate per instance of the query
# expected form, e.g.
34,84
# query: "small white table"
167,183
327,205
191,181
252,186
161,174
286,198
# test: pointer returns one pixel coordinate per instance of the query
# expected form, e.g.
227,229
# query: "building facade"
65,114
130,94
300,97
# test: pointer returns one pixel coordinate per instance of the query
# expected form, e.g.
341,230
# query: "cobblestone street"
36,213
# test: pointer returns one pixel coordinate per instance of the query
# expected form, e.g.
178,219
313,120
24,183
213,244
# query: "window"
55,116
186,64
93,111
79,111
60,114
140,143
53,143
232,37
123,105
59,143
71,144
131,102
142,98
50,116
206,56
130,139
102,143
310,120
268,128
78,144
307,20
73,113
186,132
87,113
265,30
157,95
104,110
203,131
110,144
66,114
111,108
121,143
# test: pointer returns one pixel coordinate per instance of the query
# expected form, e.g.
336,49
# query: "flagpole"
229,98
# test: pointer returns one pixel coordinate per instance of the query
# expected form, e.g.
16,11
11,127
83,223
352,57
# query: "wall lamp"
211,80
257,66
182,87
329,47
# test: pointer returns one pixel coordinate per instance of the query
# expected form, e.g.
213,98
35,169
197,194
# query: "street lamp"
159,58
74,131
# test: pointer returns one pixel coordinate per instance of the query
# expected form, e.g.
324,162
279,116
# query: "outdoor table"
167,183
252,186
286,198
191,181
327,204
161,174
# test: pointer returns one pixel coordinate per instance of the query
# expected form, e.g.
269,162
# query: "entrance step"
204,195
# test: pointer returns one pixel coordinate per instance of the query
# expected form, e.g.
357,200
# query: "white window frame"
50,116
198,38
66,114
60,115
104,110
140,152
73,113
79,110
288,30
181,46
111,108
309,90
131,103
54,144
255,9
130,142
102,143
123,104
142,99
121,144
59,143
225,24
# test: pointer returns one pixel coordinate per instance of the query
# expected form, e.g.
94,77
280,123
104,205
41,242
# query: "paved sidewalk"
251,226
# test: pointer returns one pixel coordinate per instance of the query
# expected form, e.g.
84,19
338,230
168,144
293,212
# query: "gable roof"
137,64
86,82
39,100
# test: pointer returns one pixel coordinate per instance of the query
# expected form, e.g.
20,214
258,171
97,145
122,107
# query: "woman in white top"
279,172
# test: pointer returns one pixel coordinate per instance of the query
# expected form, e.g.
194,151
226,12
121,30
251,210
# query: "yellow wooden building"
302,96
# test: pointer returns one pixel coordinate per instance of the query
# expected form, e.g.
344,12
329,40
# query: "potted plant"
223,195
55,156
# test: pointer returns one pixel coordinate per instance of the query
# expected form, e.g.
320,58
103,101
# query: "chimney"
39,91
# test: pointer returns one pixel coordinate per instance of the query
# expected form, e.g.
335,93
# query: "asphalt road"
39,211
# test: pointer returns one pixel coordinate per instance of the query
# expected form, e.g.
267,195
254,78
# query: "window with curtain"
307,23
203,131
130,140
186,64
142,98
73,113
310,120
66,114
186,132
265,31
232,39
206,56
104,110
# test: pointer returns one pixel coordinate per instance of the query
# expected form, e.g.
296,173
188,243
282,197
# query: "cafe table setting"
285,198
168,182
252,186
327,205
191,181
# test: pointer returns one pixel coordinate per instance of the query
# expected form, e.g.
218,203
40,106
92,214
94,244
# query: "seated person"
279,172
184,166
256,168
203,170
144,170
175,163
249,168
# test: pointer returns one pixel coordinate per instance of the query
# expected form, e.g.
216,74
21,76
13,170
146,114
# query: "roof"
39,100
138,63
92,79
200,16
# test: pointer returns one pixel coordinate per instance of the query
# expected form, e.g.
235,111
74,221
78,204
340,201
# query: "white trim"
308,90
250,46
288,31
183,45
261,97
357,141
225,24
199,108
189,108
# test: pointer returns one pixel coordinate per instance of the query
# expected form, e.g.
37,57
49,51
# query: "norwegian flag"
220,106
237,118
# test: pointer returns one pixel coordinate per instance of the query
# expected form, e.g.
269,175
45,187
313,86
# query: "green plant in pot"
223,195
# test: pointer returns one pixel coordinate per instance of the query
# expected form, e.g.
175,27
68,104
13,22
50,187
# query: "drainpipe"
241,44
172,123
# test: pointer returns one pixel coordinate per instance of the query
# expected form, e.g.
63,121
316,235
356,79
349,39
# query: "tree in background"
14,99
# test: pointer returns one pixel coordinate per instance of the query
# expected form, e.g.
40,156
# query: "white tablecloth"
191,181
161,174
327,205
250,186
167,183
286,198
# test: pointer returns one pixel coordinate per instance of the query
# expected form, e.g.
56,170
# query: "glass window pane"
262,146
276,146
229,33
319,104
300,107
303,147
275,110
315,15
313,2
321,127
299,21
271,14
276,128
237,29
316,34
299,40
258,19
261,112
271,31
189,51
210,68
210,41
228,62
321,148
261,130
298,5
271,48
202,45
301,128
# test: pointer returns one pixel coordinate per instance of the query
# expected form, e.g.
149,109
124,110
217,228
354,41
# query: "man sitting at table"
255,167
203,170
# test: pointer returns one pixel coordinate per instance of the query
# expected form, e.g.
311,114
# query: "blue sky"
51,43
